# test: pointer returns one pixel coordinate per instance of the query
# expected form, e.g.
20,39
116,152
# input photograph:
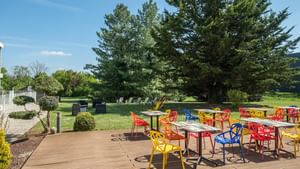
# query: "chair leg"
263,150
211,143
223,154
249,145
295,148
151,158
164,161
204,147
132,129
213,150
242,152
182,163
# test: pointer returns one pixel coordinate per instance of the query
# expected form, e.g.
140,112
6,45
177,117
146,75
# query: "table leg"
214,117
287,115
276,141
265,114
157,123
185,142
151,122
199,148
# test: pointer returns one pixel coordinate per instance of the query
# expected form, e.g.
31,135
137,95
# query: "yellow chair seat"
165,148
291,135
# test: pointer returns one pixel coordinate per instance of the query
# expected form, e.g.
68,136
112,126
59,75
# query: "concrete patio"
117,149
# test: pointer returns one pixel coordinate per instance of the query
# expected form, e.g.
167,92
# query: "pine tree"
125,62
217,45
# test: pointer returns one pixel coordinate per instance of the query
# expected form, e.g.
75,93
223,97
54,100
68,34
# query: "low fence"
6,98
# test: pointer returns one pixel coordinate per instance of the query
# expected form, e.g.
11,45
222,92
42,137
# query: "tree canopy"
125,61
217,45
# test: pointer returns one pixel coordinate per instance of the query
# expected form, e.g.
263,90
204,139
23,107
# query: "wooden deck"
119,150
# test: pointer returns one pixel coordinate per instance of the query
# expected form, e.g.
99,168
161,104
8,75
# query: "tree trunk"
215,94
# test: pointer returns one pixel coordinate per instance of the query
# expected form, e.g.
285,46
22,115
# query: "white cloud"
54,53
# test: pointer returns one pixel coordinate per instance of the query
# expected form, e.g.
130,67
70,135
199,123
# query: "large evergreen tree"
125,61
216,45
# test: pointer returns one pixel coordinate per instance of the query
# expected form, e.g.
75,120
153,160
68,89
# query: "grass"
118,115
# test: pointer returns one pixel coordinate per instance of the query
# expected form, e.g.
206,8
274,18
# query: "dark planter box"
96,101
100,108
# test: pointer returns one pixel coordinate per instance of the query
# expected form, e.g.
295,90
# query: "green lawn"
118,115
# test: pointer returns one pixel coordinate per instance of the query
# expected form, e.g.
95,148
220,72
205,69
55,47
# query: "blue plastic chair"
232,136
189,116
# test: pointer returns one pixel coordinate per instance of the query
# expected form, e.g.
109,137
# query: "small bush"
22,100
48,103
25,115
84,122
5,156
237,97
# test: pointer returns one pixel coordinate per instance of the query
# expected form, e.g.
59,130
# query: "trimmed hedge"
22,100
25,115
84,122
48,103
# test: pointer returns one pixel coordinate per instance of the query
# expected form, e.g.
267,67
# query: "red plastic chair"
293,114
203,134
136,122
261,134
224,117
172,135
244,113
171,117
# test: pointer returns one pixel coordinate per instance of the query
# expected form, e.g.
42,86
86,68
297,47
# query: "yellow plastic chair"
160,145
217,116
203,116
294,135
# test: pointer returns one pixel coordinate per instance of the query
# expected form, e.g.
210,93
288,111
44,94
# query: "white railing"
6,98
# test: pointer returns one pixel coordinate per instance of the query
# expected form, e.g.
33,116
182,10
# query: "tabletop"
195,127
268,122
288,107
153,113
258,108
209,111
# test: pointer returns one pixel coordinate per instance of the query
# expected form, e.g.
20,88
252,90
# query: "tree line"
201,48
61,82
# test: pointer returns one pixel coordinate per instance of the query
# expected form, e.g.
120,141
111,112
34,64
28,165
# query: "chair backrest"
292,112
187,113
173,116
157,139
208,121
133,116
236,130
217,108
226,115
243,112
202,117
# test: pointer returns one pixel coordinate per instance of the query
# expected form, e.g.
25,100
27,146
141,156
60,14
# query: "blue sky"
61,33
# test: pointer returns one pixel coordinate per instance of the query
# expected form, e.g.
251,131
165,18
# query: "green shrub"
5,156
237,97
25,115
48,103
84,122
22,100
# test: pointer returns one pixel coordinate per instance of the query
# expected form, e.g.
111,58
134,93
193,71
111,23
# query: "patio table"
286,108
276,125
196,128
210,111
152,114
265,110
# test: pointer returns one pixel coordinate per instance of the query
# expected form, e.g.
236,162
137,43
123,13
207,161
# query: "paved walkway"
18,127
119,150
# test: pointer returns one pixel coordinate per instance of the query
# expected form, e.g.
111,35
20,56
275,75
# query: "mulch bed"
21,150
